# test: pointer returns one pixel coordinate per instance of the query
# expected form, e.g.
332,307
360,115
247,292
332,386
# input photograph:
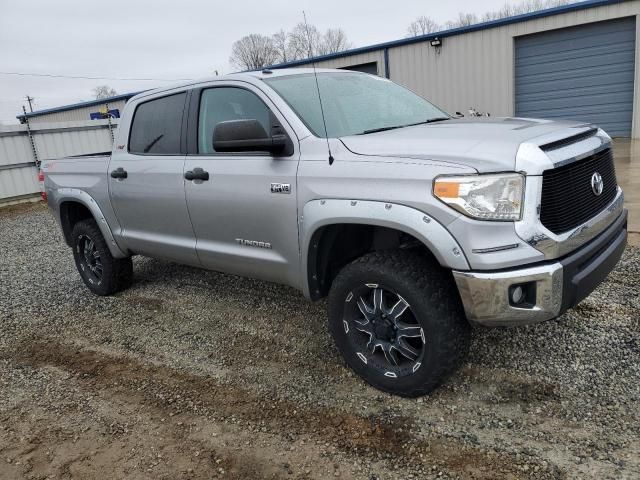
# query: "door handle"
119,173
197,174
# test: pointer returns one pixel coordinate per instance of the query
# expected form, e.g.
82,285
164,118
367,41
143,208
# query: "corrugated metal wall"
18,173
476,69
75,115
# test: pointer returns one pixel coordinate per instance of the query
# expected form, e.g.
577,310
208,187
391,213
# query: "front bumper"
554,287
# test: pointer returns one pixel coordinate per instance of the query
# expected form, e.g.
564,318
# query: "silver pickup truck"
344,185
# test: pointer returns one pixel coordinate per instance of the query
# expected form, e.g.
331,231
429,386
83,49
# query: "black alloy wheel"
397,319
383,330
90,263
100,271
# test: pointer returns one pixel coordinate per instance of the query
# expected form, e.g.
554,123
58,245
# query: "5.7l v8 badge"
280,188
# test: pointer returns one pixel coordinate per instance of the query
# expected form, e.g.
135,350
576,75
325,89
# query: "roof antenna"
315,74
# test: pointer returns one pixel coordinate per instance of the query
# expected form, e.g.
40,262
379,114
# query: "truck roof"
250,76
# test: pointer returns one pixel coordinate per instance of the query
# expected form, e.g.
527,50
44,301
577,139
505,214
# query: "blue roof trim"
454,31
102,101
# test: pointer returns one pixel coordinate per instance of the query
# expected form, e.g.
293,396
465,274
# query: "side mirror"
246,136
459,115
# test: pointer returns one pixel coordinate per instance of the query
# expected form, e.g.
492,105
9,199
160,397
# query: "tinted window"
228,103
353,103
156,126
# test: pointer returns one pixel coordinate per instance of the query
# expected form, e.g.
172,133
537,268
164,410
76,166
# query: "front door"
147,184
245,215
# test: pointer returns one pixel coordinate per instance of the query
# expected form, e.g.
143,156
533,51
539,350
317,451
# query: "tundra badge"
253,243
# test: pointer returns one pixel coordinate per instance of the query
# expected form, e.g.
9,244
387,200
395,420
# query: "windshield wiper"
384,129
437,119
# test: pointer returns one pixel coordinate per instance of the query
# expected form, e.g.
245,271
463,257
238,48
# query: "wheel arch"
75,205
335,232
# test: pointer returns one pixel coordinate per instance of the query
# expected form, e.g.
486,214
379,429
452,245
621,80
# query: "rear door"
147,185
245,214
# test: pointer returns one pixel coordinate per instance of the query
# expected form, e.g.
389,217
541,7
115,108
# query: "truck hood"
485,144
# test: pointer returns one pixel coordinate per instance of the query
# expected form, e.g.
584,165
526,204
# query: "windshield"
354,103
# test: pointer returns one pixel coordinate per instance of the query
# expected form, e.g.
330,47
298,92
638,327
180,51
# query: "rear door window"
157,125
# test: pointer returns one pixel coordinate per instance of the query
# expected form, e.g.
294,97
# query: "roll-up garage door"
583,73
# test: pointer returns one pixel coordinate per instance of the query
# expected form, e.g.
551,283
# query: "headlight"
485,197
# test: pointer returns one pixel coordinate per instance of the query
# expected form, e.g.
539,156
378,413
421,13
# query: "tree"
103,91
258,51
281,44
526,6
463,20
422,26
253,52
304,41
334,40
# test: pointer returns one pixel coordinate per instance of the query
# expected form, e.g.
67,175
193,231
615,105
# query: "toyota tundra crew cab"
345,185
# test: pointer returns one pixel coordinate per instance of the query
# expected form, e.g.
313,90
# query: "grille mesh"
567,198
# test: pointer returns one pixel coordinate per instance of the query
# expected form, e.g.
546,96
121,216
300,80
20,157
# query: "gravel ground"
194,374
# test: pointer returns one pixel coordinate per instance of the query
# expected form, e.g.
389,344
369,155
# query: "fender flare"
63,195
317,214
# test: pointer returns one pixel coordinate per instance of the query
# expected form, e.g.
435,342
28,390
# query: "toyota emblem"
597,184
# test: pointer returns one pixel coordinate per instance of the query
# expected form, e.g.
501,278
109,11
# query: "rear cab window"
157,125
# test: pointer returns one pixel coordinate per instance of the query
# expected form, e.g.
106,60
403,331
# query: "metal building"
78,112
579,61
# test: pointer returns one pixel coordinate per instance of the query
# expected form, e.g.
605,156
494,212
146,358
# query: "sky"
169,41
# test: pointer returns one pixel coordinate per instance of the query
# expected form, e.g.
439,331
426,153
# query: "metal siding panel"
593,64
461,75
14,149
52,140
18,181
66,143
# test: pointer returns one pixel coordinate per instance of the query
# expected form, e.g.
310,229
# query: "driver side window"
221,104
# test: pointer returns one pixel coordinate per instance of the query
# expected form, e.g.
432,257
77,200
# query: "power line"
81,77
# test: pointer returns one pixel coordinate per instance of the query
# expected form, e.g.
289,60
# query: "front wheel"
101,273
398,321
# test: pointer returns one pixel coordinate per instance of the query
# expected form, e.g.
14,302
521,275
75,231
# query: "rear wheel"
397,319
101,273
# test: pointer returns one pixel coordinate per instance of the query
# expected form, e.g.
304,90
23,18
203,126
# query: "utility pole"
31,140
106,106
30,99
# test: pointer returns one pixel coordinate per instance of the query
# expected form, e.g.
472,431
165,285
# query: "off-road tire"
117,273
435,304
